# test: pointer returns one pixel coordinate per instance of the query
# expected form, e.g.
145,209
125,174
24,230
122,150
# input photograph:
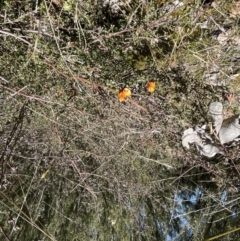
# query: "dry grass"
76,164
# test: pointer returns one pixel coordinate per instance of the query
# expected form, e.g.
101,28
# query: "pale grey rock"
230,129
216,109
190,136
210,150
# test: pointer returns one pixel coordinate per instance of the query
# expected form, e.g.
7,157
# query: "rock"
230,129
210,150
190,136
216,109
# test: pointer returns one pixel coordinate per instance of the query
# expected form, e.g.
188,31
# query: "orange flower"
124,94
151,86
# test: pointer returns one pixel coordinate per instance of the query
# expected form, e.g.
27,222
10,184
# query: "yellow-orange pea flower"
151,86
124,94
